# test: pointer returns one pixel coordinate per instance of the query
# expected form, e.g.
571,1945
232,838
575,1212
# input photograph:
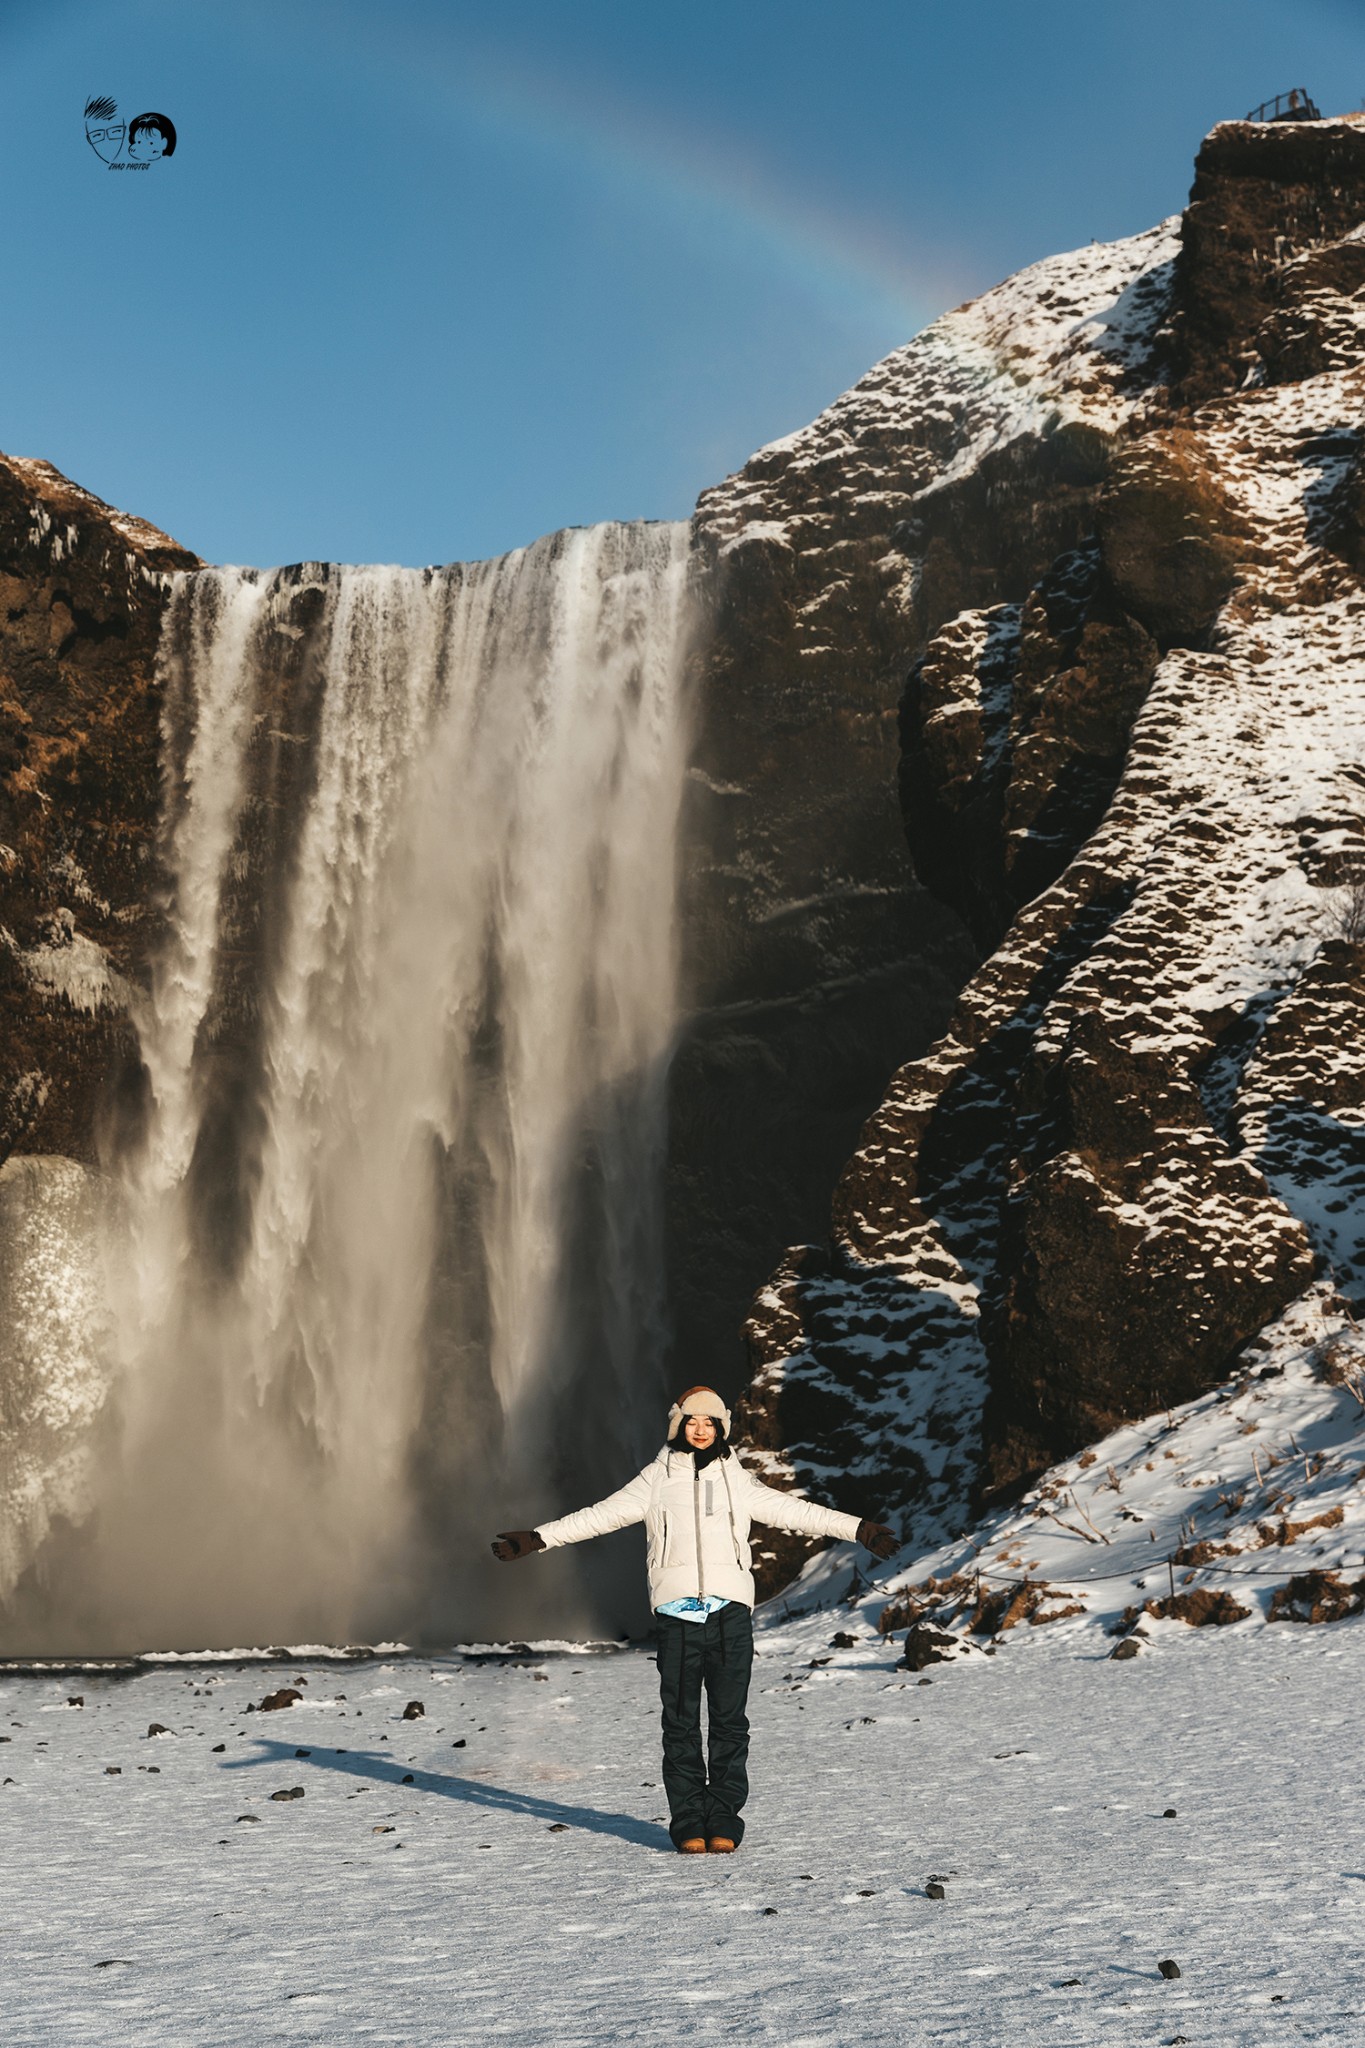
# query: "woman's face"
700,1431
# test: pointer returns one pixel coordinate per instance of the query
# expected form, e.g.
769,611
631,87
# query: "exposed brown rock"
82,589
925,1646
1263,195
1317,1596
274,1702
1170,538
1203,1608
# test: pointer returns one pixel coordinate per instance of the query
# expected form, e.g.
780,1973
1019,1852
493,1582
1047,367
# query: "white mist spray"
393,1232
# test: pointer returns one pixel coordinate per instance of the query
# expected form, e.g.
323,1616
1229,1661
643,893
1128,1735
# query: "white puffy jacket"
697,1524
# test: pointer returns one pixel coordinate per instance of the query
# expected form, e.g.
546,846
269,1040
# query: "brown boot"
693,1846
721,1845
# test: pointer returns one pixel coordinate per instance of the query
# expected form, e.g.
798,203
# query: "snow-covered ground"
522,1887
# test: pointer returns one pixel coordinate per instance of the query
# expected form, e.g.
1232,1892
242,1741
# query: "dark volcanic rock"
1131,779
1169,538
1264,195
815,958
82,590
1206,1607
275,1702
1316,1597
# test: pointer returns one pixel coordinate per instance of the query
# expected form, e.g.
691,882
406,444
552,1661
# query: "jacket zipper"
734,1532
696,1516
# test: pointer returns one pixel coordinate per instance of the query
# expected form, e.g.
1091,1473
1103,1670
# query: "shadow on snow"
366,1764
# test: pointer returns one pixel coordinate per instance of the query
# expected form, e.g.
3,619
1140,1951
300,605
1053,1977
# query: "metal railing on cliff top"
1286,106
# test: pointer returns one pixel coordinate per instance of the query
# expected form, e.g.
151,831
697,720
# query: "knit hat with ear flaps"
698,1401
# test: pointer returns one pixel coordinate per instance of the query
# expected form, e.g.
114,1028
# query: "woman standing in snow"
696,1501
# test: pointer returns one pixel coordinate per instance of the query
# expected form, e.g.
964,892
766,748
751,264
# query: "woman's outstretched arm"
807,1518
628,1504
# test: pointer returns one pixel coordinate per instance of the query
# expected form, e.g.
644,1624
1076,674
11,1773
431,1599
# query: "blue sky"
423,280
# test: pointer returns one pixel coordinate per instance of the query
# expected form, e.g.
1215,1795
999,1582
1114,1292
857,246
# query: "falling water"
390,1273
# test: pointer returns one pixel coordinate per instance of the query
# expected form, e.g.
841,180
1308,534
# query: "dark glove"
876,1537
517,1543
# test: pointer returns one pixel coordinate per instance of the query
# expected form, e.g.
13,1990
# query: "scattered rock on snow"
925,1645
1168,1968
156,1728
1316,1596
414,1711
934,1890
1203,1608
1129,1647
294,1792
275,1701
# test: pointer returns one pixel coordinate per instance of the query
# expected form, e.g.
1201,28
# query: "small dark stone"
408,1778
111,1771
559,1827
1126,1649
1067,1983
275,1702
843,1641
218,1748
459,1744
769,1912
294,1792
303,1752
254,1819
413,1711
1170,1814
156,1728
78,1701
1168,1968
934,1891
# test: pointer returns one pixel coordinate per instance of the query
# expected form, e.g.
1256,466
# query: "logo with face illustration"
127,145
150,136
103,131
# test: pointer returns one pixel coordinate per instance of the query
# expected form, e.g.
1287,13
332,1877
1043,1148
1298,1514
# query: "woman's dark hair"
164,126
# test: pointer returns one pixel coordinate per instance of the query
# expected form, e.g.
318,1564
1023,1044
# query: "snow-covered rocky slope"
1142,778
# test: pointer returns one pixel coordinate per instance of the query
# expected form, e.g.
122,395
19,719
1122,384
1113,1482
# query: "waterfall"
389,1273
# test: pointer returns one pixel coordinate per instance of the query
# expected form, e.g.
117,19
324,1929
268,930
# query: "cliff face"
82,589
820,948
1136,774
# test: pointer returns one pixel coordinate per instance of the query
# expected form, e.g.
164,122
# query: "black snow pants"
718,1653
